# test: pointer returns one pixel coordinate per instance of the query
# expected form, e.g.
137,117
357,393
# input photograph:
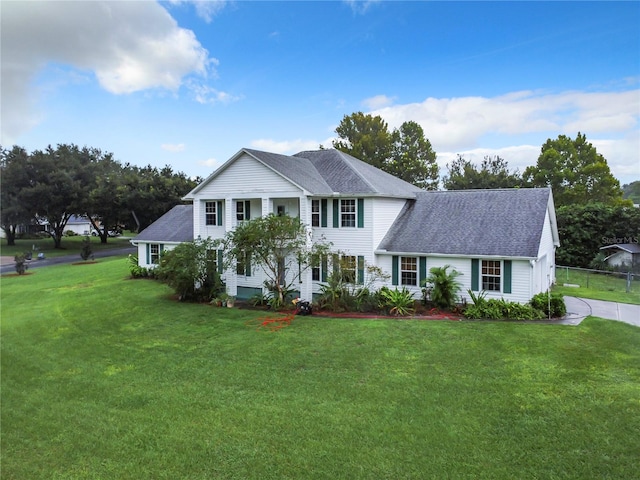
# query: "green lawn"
70,245
105,377
611,288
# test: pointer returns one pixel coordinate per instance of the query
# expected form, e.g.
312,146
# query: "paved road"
71,258
579,308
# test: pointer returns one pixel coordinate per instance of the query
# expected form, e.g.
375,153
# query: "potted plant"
231,300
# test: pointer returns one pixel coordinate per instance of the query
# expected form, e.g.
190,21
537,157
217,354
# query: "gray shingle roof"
174,226
627,247
505,222
323,172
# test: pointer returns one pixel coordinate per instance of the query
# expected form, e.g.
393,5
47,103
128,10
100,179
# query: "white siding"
142,252
384,213
247,177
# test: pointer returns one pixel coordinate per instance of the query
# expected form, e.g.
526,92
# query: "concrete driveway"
579,308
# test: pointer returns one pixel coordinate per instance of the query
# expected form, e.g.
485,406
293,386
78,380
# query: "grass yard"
70,245
610,288
105,377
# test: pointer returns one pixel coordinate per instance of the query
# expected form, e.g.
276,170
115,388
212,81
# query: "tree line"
592,209
54,184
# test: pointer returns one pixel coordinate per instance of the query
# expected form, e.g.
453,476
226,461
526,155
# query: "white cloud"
208,95
379,101
285,147
360,7
506,125
210,163
174,148
129,47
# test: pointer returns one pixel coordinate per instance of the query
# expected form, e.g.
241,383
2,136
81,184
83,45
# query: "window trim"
315,213
348,214
487,270
413,272
211,213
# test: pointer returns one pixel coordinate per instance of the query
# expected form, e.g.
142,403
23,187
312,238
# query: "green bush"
445,286
86,252
501,309
397,302
541,302
136,270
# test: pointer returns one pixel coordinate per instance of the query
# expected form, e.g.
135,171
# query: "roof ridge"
355,170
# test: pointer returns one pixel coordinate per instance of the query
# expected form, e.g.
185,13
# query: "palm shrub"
499,309
445,286
397,302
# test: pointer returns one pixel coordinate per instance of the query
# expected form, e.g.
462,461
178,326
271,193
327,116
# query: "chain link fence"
598,279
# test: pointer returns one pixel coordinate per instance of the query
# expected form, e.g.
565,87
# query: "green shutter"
323,212
336,213
360,270
219,213
247,210
220,269
423,270
475,274
360,212
148,254
507,277
324,269
394,270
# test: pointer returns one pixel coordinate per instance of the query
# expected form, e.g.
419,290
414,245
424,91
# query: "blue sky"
190,83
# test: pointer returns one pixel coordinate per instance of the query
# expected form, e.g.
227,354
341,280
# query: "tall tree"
13,179
412,157
631,191
575,171
103,205
493,173
364,137
59,182
405,152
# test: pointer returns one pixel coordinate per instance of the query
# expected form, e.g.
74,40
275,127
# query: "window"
409,271
154,253
243,266
210,213
315,213
240,211
491,275
348,213
348,268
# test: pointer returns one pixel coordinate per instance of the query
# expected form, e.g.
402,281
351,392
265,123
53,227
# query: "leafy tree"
493,173
412,157
58,186
631,191
405,152
364,137
575,171
583,229
279,245
191,270
14,178
103,204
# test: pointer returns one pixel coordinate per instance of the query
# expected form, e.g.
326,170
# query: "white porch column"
230,274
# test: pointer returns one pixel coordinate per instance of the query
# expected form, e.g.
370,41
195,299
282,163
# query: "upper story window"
348,212
315,213
211,213
491,275
409,271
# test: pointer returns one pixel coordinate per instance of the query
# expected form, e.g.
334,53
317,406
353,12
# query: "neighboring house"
171,229
78,225
502,241
621,255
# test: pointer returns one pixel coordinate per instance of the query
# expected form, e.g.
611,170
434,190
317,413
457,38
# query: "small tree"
191,269
21,263
445,286
280,245
86,252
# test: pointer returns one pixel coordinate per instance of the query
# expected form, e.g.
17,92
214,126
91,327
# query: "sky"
188,84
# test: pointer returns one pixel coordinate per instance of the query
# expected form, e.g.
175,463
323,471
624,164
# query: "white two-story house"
502,241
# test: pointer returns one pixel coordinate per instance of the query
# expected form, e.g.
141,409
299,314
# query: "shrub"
21,263
501,309
397,302
86,252
542,302
445,286
191,270
70,233
136,270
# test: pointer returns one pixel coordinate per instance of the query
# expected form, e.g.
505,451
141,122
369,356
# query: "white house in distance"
502,241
